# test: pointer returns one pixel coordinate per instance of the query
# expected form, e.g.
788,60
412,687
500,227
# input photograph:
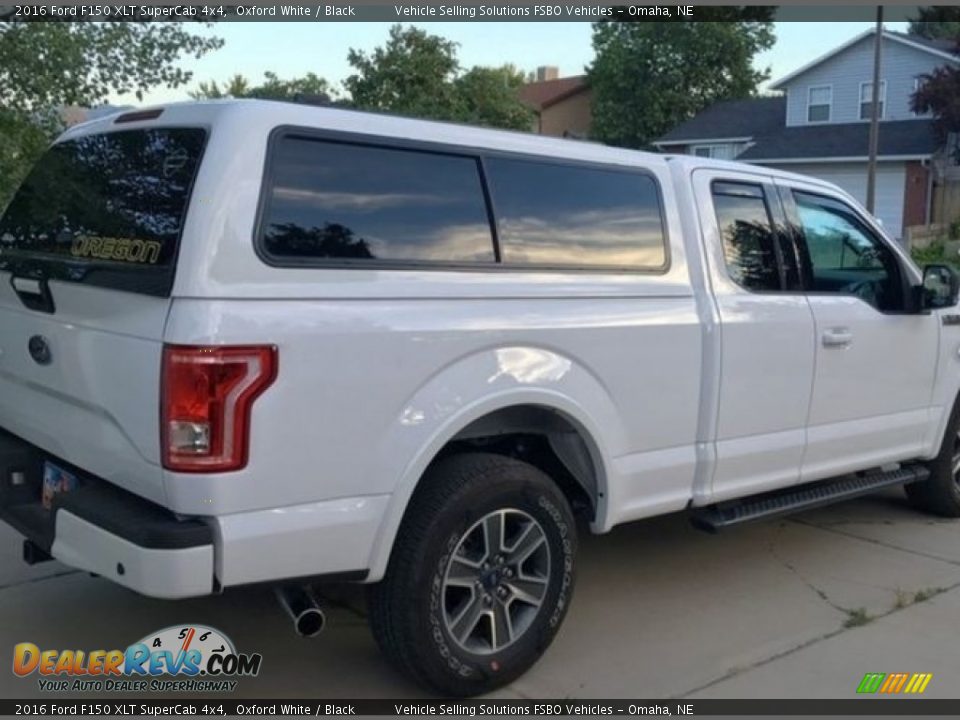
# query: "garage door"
852,177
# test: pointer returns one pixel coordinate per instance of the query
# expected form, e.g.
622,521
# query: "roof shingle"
747,118
941,44
848,140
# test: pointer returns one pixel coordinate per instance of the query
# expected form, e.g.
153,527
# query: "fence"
944,213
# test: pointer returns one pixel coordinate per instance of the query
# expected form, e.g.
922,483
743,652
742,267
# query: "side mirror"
941,287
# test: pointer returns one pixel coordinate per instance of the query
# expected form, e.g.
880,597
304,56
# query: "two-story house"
820,125
561,105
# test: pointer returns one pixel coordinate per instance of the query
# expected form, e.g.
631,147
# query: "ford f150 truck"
250,341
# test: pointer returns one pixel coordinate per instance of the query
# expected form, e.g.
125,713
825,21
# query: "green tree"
647,77
45,66
272,88
489,96
236,86
939,91
939,94
418,74
21,142
936,22
412,74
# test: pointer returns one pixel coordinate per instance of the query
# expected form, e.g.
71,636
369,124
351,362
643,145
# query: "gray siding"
845,72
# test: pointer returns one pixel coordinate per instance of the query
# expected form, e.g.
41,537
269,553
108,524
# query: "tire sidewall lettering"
466,667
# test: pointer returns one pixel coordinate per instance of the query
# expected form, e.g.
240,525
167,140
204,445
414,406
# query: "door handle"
837,337
34,294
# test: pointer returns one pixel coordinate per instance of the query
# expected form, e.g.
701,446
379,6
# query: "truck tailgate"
95,402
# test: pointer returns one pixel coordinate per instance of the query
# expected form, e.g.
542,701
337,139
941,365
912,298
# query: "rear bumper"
105,530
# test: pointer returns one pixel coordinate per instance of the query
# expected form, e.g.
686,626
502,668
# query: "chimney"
547,72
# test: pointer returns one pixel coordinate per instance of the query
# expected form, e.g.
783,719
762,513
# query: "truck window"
105,210
348,202
844,257
747,234
566,215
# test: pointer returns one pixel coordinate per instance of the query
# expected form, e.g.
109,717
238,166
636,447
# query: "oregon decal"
122,249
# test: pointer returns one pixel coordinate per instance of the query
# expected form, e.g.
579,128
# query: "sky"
294,49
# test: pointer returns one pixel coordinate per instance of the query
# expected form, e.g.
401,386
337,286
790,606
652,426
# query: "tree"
236,86
939,22
939,91
412,74
45,66
272,88
489,96
647,77
418,74
21,143
939,94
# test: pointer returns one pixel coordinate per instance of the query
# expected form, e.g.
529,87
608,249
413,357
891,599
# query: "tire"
940,493
439,628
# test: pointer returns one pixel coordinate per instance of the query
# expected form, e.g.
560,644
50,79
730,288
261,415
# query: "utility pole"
875,113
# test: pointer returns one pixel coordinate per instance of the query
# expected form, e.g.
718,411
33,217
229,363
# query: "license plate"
56,480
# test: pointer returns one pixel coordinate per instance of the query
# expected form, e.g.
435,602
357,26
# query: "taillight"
206,394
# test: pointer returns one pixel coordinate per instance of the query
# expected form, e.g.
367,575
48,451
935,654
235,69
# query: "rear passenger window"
560,215
747,235
340,201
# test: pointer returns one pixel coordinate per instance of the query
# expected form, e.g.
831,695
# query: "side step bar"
714,518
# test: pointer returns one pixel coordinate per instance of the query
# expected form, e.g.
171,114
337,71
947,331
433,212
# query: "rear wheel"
940,493
480,576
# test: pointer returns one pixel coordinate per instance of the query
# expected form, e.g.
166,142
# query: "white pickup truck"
247,342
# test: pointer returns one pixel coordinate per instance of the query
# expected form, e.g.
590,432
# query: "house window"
866,99
721,151
819,100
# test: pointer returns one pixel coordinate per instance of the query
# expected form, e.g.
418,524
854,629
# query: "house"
561,105
820,125
75,114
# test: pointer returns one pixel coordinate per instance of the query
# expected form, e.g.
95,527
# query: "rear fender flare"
438,412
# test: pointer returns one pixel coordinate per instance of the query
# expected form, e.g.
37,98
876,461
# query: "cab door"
765,368
875,360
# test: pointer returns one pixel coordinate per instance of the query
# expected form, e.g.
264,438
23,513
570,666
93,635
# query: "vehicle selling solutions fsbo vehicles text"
473,11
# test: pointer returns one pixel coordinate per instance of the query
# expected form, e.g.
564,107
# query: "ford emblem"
40,350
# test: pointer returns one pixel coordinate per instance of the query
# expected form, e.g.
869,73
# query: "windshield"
105,209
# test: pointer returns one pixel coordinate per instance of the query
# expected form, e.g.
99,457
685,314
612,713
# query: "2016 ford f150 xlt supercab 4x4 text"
252,341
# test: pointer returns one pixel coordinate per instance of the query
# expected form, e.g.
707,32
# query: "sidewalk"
919,638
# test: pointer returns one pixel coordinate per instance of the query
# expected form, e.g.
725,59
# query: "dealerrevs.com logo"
176,659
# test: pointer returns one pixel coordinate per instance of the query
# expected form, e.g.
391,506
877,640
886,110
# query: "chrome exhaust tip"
308,617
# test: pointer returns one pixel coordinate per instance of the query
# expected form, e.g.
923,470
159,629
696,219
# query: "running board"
714,518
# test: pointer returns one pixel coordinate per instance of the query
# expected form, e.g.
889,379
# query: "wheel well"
543,438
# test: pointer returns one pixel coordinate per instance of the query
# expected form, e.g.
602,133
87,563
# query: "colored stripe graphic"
889,683
894,683
871,682
923,682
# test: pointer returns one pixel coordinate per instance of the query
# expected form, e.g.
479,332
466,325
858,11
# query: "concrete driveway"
800,607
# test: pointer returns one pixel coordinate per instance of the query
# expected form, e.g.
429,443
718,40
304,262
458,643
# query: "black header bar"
213,706
428,11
